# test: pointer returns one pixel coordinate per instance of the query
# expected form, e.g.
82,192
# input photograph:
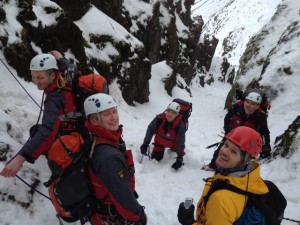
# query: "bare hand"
57,55
13,167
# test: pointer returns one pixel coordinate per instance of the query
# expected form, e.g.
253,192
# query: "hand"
142,220
186,216
57,55
13,167
144,149
178,163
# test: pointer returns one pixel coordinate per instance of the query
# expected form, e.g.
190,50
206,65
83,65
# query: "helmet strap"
246,158
99,119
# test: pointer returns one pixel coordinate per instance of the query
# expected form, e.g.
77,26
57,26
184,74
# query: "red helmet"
247,139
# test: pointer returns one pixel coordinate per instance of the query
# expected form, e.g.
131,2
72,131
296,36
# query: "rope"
39,116
32,187
36,126
20,83
296,221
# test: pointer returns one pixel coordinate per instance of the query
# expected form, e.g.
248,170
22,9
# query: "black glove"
179,162
144,149
143,220
186,216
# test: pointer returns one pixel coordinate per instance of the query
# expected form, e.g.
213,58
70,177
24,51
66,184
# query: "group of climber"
246,112
246,136
169,129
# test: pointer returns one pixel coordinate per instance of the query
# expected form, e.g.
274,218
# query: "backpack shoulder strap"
223,184
98,141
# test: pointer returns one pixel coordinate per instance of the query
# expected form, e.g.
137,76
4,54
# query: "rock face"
131,66
269,63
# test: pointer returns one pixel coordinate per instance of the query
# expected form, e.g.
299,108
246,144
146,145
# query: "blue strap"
251,216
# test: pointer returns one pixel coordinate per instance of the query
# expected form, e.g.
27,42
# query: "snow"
236,20
160,189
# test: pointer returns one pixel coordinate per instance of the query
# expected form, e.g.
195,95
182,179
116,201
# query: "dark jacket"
57,102
237,116
111,176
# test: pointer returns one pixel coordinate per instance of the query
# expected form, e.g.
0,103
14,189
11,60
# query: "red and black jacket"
237,116
112,174
57,102
167,134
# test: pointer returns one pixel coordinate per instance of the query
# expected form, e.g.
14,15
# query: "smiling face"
229,156
250,106
109,119
41,79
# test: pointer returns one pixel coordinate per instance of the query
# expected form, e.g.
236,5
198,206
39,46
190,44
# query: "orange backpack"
69,187
63,151
85,85
95,83
82,86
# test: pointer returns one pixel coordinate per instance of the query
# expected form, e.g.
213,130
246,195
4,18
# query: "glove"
144,149
178,163
186,216
143,220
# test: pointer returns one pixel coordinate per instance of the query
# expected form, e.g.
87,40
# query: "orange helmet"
247,139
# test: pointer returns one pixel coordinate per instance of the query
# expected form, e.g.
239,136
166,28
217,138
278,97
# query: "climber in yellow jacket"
224,207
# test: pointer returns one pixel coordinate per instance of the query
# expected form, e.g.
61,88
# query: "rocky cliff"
155,26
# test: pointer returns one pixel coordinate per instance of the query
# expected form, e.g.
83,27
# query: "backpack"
264,105
82,86
85,85
70,190
63,152
185,110
69,186
266,209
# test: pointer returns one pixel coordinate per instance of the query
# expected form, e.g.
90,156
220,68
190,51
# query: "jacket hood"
241,179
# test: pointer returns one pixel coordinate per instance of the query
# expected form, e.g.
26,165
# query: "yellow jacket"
224,207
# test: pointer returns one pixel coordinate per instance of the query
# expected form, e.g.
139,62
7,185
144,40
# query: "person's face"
41,79
109,119
229,156
170,115
250,106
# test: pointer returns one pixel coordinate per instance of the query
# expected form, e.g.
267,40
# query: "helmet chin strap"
246,159
99,119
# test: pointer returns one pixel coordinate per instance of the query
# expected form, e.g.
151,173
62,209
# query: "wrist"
25,157
20,158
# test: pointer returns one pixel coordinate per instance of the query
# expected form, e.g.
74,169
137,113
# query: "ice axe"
142,155
217,143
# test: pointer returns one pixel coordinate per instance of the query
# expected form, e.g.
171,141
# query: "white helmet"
43,62
255,97
174,106
98,103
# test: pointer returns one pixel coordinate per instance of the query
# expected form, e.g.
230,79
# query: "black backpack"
185,110
271,204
